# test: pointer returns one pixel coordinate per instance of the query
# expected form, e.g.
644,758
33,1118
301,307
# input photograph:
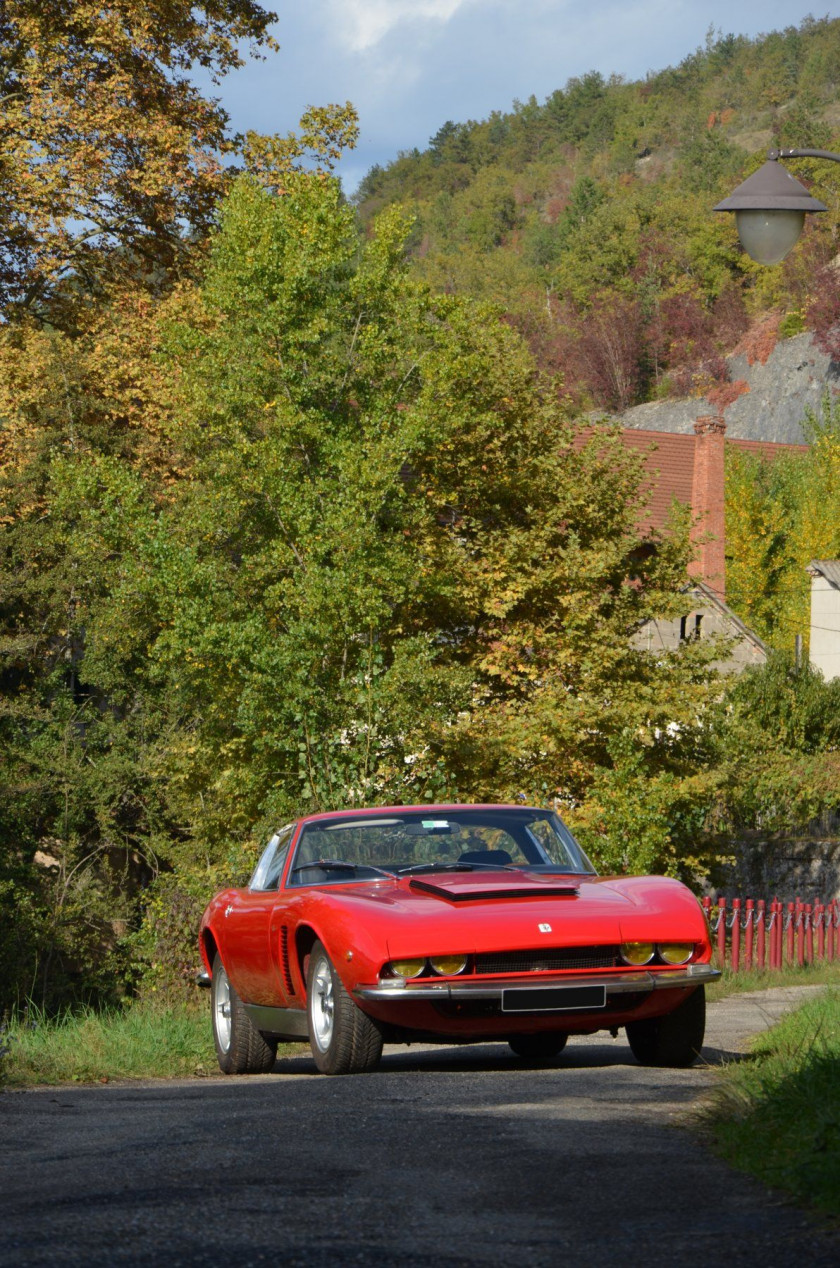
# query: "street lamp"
771,205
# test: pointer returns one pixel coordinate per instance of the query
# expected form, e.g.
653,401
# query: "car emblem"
228,909
544,928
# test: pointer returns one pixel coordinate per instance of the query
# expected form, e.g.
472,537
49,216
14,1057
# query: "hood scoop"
473,889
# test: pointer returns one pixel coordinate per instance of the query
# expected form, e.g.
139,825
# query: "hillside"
588,218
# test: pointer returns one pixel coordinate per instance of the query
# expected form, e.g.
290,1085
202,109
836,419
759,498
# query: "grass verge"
730,983
86,1046
777,1116
146,1041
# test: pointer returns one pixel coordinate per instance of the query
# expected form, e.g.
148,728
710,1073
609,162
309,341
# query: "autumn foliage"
111,155
587,217
296,511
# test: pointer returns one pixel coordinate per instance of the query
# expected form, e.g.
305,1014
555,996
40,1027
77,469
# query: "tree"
85,816
607,353
779,516
110,155
393,574
775,751
79,815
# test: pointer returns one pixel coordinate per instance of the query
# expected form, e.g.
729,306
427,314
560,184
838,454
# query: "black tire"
240,1047
538,1047
343,1039
673,1040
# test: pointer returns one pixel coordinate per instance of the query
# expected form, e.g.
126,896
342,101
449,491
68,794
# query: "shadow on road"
483,1058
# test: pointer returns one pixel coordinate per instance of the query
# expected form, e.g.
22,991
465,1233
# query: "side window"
270,867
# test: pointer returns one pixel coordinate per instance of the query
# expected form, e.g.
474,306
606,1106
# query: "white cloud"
362,24
409,65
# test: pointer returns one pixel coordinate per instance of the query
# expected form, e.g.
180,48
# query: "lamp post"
770,206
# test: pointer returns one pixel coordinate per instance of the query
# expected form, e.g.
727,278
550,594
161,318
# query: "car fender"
354,963
212,931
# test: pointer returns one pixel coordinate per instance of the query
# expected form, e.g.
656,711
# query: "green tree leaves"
400,572
779,517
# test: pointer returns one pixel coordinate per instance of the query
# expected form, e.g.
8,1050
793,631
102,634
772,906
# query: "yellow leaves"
96,83
325,133
779,516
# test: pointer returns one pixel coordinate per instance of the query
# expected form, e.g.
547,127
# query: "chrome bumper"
615,984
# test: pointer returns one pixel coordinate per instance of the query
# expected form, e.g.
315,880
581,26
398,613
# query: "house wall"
825,626
661,635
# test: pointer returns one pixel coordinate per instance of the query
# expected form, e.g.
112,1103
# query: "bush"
166,946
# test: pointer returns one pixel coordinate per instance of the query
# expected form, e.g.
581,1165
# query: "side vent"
284,960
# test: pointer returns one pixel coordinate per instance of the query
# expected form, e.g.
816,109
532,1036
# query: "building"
705,615
690,468
825,616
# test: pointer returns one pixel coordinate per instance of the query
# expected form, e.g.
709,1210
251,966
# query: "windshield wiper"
340,865
413,868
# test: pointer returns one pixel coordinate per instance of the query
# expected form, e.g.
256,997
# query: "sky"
410,65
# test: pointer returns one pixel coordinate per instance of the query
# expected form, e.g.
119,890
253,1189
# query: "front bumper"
463,991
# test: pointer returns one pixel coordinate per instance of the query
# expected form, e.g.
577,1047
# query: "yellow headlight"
407,968
637,952
676,952
448,965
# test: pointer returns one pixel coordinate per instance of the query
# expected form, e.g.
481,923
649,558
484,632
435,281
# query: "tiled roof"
669,460
766,448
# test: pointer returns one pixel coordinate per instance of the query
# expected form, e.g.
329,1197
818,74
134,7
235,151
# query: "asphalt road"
444,1157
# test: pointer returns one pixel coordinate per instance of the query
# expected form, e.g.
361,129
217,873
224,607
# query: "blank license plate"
553,1000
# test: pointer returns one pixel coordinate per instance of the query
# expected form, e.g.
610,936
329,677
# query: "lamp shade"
767,236
770,208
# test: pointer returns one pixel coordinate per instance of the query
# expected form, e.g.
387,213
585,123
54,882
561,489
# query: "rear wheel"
538,1047
240,1047
343,1039
672,1040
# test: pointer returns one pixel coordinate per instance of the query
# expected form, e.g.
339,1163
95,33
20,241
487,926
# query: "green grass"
86,1046
146,1041
737,983
777,1115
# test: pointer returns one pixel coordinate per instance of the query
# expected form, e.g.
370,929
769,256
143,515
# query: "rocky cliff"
777,385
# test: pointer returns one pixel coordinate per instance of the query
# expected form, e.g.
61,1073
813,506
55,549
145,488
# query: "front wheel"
538,1047
343,1039
240,1048
673,1040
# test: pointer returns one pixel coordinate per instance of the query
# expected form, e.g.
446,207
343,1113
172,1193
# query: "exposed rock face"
794,377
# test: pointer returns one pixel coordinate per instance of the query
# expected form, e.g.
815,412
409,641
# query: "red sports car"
448,924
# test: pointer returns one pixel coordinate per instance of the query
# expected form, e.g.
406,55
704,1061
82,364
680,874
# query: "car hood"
469,912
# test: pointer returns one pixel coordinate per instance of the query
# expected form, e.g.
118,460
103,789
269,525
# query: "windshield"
349,849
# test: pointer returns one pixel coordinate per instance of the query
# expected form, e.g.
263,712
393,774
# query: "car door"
253,924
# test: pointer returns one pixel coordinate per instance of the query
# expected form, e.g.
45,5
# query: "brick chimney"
707,504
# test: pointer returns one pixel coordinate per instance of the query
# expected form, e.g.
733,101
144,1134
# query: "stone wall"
803,867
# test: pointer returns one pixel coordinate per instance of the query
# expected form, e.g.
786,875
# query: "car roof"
449,807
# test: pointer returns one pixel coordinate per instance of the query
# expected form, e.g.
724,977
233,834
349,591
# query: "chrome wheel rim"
322,1005
221,1009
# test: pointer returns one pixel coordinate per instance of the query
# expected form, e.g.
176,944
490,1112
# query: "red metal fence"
751,933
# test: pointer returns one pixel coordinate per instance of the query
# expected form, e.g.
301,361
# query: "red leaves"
823,312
